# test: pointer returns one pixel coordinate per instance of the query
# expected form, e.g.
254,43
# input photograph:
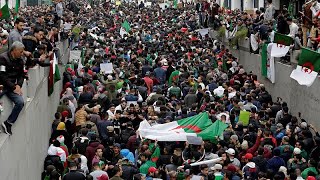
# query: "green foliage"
221,31
240,34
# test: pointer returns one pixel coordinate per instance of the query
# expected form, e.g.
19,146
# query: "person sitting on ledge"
12,78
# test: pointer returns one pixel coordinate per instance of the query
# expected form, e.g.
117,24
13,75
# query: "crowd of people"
164,70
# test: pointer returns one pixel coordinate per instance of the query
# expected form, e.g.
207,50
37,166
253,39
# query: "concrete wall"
22,154
299,98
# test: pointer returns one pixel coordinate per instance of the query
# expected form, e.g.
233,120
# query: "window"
227,4
256,4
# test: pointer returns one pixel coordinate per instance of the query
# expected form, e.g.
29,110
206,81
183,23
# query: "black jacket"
74,175
11,71
30,42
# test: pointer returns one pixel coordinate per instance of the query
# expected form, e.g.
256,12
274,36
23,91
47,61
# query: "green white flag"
307,68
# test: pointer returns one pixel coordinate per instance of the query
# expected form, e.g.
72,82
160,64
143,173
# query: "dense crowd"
163,70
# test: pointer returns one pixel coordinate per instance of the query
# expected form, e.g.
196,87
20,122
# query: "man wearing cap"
217,174
151,173
250,170
231,154
116,154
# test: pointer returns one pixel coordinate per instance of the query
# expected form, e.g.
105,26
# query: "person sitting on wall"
12,78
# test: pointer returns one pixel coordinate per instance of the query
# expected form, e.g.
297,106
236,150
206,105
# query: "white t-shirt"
219,91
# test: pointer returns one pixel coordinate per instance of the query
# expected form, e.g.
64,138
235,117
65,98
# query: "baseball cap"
296,151
248,156
117,145
231,151
110,128
216,167
152,170
311,178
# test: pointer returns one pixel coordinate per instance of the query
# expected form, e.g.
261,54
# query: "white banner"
107,68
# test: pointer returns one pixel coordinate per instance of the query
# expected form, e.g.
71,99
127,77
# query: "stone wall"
299,98
23,153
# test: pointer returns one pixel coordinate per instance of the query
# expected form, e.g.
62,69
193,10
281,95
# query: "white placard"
195,177
107,68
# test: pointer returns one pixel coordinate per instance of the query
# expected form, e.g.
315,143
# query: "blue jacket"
160,74
275,163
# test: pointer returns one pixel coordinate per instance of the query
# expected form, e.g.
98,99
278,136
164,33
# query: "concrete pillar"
235,5
248,5
261,3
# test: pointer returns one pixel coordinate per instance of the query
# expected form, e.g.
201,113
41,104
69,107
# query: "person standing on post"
12,78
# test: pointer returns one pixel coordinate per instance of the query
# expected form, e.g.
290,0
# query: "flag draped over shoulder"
174,77
307,68
4,12
281,45
188,129
54,75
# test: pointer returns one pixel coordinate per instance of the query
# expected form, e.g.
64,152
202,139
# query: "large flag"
281,45
267,62
4,12
181,130
212,132
308,67
126,26
54,75
174,77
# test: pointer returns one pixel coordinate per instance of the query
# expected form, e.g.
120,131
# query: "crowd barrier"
299,98
22,154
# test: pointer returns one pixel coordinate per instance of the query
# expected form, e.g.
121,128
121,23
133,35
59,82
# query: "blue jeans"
18,104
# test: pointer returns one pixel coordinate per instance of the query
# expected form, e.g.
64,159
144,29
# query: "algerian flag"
174,77
281,45
181,130
307,68
54,75
212,132
122,32
4,12
126,26
267,62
